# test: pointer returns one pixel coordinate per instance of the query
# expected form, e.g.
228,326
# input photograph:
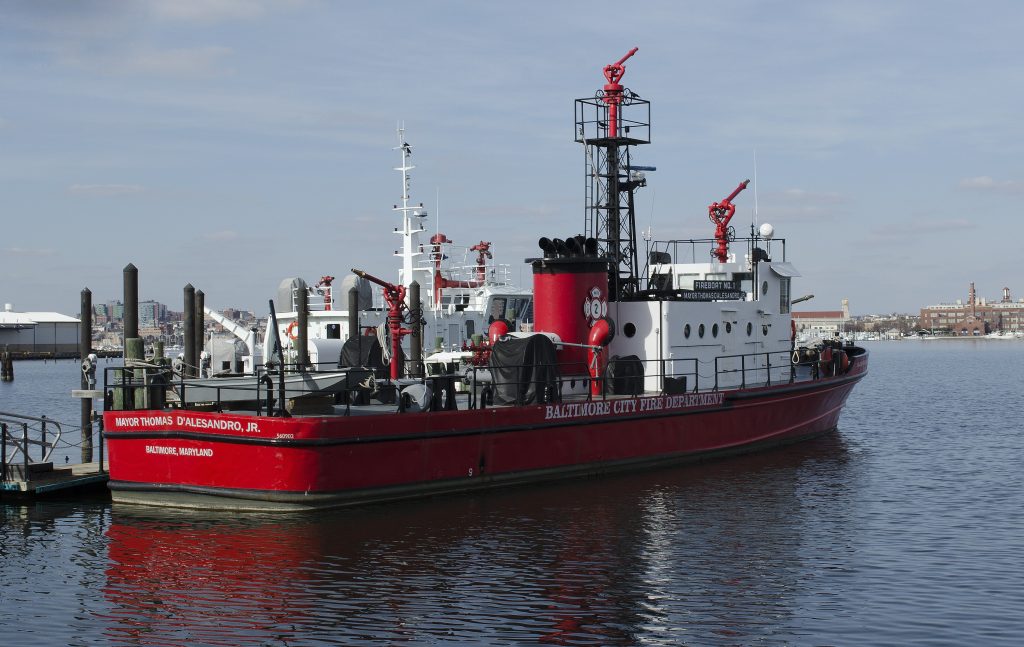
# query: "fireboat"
684,351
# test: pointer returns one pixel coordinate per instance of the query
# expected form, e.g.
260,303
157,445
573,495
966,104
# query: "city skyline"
233,144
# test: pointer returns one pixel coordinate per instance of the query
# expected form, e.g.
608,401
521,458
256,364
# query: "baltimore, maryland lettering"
598,408
199,452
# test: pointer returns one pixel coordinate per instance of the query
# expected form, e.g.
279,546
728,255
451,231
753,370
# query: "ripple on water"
902,528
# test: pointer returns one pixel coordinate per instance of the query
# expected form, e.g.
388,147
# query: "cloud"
25,251
209,11
221,236
985,183
795,205
105,189
194,62
921,227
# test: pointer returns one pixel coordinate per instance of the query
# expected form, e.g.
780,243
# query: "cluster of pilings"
134,349
194,302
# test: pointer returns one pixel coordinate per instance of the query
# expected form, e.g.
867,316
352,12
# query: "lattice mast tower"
608,135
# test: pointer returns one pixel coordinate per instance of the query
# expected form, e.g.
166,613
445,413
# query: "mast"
413,217
608,136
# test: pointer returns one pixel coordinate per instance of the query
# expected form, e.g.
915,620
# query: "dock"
43,479
27,471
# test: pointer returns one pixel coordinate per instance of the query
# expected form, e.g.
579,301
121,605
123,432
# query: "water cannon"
721,213
613,73
394,297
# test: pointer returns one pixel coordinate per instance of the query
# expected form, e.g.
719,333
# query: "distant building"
151,313
976,317
823,323
37,332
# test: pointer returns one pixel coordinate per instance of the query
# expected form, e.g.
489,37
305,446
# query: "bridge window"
784,295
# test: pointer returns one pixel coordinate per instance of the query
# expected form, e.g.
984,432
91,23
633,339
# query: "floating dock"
43,479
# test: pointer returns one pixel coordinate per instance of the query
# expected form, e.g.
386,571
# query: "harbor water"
903,527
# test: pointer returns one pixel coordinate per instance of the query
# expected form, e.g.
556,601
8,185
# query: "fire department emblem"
595,305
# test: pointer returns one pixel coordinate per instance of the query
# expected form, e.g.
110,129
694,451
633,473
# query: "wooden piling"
6,366
416,338
302,341
84,350
189,313
353,312
131,301
200,331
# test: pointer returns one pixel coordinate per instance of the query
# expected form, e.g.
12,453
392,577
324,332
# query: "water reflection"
713,551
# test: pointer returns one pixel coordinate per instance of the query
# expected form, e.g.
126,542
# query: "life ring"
290,331
792,330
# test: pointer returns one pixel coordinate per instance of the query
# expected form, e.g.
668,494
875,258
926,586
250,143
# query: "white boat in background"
230,391
462,292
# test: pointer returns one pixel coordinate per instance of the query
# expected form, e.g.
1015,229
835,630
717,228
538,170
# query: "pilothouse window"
514,309
784,295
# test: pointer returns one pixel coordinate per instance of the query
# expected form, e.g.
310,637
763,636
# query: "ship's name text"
186,422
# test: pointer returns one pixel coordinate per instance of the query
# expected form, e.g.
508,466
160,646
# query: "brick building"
976,316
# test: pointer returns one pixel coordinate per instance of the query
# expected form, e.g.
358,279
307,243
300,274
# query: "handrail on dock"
22,444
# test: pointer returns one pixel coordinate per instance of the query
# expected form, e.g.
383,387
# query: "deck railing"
134,388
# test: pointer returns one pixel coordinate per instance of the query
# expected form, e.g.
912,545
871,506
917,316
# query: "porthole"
700,331
714,330
686,331
764,288
750,329
728,327
629,330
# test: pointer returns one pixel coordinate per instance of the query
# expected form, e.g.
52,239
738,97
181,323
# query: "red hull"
239,461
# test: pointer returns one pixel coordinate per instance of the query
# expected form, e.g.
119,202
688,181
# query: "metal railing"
755,369
21,444
132,388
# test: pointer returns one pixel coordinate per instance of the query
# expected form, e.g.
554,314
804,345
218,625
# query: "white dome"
767,231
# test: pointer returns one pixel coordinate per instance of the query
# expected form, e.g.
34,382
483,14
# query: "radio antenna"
755,187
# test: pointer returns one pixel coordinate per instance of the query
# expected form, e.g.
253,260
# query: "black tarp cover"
625,375
521,368
364,351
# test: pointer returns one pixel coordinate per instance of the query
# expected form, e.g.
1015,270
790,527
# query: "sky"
233,143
